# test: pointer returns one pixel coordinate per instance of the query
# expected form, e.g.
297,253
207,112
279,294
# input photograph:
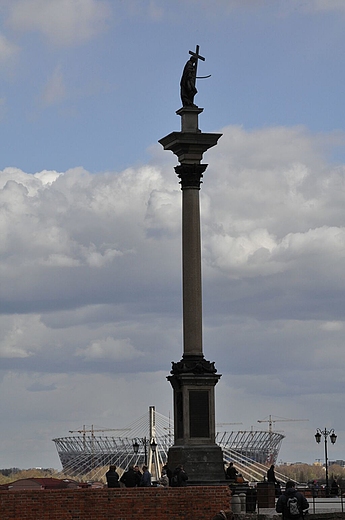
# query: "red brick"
127,504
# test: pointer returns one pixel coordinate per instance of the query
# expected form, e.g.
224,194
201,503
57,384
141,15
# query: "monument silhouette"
193,378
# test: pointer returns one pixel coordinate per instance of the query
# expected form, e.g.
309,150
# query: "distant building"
41,483
339,462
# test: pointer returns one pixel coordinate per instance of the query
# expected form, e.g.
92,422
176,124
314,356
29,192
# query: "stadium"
148,439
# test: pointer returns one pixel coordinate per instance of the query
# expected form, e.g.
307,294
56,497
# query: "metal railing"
331,504
317,504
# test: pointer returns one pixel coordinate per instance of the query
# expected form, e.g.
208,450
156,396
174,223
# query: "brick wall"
189,503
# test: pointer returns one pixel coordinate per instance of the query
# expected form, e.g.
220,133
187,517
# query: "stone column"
193,378
190,175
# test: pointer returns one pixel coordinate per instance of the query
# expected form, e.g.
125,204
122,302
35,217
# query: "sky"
90,241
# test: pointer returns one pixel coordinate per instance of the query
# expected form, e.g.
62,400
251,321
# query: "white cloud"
332,326
20,336
270,204
324,5
90,274
46,176
274,208
109,348
8,50
63,22
55,89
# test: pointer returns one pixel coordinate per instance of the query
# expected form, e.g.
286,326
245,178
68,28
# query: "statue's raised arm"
188,79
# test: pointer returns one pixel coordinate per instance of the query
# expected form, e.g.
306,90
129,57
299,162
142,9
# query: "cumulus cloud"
62,22
90,273
278,207
271,209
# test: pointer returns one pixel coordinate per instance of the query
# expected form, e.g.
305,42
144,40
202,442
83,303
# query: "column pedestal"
193,380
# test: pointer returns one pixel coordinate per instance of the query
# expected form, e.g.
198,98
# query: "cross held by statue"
197,57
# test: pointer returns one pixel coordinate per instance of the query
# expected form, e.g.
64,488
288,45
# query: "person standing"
168,472
138,475
112,477
271,477
231,472
129,478
334,488
145,478
164,479
180,477
291,504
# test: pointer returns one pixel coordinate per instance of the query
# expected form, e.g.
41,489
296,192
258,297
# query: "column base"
202,463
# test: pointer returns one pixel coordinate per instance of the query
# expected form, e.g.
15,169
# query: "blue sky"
76,92
90,243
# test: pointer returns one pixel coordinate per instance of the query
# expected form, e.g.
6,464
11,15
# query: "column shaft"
191,260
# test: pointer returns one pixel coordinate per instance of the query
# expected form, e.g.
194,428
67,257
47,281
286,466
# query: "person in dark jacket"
138,474
129,478
180,477
271,476
112,477
291,501
231,472
145,477
334,488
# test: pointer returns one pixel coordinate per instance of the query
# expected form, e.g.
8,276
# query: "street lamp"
326,433
145,442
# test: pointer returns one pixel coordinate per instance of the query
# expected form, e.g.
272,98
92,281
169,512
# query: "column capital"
190,175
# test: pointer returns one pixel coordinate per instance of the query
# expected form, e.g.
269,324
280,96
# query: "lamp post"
325,433
145,442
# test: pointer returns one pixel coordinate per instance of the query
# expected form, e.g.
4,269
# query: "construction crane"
84,431
92,431
271,421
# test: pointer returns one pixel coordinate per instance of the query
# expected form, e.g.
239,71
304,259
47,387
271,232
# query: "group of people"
291,503
133,477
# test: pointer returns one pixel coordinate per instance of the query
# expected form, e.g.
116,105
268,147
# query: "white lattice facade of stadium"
80,455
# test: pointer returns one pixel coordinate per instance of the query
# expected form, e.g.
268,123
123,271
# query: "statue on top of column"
188,79
188,89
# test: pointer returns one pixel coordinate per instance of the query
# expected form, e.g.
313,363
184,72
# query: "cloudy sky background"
90,242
